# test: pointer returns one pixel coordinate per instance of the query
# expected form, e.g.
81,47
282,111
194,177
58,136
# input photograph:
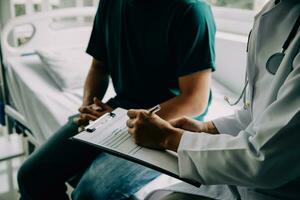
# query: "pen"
154,109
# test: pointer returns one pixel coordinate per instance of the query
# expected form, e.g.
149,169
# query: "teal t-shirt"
148,44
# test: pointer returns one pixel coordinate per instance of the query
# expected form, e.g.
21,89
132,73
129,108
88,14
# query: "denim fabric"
113,178
44,173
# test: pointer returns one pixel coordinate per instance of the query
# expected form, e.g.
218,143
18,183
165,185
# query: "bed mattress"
35,96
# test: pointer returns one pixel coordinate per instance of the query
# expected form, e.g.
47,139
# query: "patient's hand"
92,112
193,125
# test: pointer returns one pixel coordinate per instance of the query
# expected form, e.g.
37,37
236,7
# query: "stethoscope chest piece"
274,62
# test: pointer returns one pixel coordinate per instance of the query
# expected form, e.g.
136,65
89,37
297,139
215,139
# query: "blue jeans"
44,173
113,178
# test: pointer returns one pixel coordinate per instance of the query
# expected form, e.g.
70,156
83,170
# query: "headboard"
47,32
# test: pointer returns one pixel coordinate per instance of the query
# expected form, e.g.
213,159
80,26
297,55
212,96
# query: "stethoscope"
272,64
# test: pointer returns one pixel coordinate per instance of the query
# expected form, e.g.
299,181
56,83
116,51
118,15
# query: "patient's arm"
96,83
192,101
95,87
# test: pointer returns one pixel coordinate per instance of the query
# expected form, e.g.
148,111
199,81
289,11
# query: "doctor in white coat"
255,153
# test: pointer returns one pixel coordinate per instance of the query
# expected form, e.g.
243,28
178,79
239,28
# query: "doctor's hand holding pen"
151,131
92,112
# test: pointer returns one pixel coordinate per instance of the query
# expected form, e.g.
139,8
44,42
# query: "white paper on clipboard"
110,134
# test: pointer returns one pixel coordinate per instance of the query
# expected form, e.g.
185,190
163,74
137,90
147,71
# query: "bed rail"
45,33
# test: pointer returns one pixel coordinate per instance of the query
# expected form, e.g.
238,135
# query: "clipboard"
110,134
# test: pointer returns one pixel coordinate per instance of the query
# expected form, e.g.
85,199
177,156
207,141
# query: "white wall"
231,61
233,27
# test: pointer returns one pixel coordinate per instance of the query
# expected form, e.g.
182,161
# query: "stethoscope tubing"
285,46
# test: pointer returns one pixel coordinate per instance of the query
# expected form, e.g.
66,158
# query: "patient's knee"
25,178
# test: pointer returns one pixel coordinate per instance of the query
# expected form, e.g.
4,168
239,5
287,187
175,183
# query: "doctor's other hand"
92,112
193,125
151,131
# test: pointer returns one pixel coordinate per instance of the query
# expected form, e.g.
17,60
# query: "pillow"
68,67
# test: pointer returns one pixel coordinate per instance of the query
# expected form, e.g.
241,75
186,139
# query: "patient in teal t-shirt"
156,52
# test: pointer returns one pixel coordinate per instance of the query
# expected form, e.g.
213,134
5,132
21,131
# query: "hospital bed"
34,103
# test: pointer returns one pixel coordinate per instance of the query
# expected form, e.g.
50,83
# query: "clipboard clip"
99,122
112,114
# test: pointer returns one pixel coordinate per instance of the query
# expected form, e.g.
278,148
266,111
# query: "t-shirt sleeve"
194,40
96,45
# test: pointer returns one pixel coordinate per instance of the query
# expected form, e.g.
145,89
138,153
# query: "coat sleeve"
233,124
263,155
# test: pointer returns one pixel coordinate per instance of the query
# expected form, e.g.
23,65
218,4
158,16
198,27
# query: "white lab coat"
258,150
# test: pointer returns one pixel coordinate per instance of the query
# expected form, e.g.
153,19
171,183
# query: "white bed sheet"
38,99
